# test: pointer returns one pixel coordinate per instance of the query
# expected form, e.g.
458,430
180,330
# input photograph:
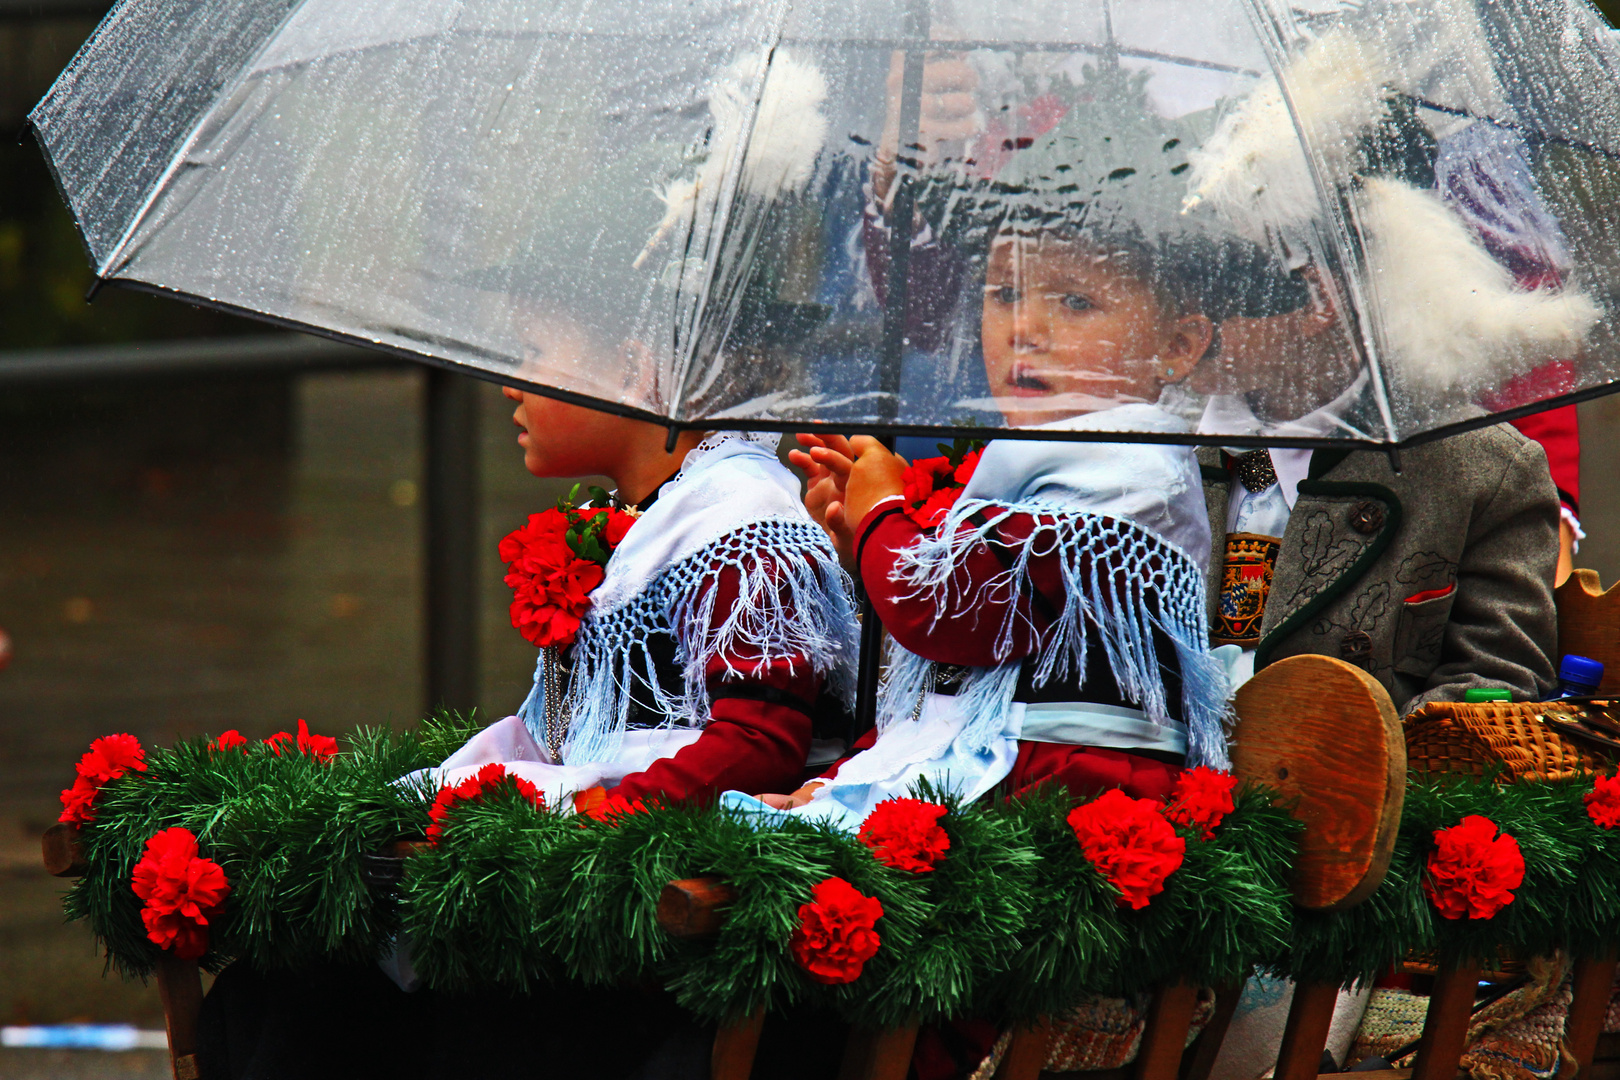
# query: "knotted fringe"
793,602
1132,583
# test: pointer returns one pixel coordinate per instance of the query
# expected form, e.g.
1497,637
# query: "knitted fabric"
1098,1033
1120,581
1517,1037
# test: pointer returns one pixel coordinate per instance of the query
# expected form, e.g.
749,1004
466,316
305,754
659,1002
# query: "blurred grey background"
205,524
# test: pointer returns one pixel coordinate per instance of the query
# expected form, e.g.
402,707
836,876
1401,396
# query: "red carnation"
964,471
1130,843
1201,800
1472,870
228,740
182,892
1603,802
906,834
108,758
927,501
320,747
598,804
549,599
474,787
835,937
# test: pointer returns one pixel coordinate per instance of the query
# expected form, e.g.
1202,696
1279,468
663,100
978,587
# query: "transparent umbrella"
1371,221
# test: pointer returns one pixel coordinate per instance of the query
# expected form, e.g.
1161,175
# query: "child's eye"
1006,294
1076,302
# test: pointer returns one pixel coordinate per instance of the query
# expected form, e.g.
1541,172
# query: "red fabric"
1430,594
965,634
1559,433
751,746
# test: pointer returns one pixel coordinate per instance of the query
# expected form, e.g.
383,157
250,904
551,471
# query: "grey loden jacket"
1477,509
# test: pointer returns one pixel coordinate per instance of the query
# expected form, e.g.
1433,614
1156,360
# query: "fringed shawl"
733,506
1130,530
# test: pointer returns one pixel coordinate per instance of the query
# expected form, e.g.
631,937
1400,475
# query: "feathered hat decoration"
1452,317
788,133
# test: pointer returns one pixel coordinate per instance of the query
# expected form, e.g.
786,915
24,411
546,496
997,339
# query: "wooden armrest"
694,907
63,849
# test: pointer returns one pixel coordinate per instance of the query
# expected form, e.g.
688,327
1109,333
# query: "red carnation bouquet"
1201,800
1130,843
555,561
1473,869
835,937
475,787
181,893
932,485
1603,802
906,834
319,747
108,758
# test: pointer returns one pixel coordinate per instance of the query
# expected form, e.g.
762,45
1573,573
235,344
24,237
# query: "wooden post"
878,1054
1445,1028
63,850
1027,1052
1593,979
180,988
734,1047
1201,1061
1164,1036
451,540
1306,1033
694,907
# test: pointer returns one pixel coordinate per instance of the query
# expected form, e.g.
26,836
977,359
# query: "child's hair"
1111,174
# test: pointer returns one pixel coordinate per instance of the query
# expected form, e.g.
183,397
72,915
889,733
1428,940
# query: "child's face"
1069,329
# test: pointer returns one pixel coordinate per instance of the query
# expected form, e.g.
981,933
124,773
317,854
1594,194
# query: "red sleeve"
1559,433
959,625
758,733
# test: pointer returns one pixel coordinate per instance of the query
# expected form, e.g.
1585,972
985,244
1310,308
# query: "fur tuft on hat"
788,134
1252,170
1452,317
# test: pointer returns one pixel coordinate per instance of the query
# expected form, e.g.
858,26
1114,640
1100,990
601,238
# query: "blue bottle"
1578,676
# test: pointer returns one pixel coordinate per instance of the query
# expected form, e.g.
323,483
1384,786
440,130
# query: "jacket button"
1367,518
1356,647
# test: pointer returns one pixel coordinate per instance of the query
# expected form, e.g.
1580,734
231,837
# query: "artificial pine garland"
1569,898
1009,921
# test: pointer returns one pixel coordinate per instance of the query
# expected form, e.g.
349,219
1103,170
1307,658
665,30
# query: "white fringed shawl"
733,505
1129,524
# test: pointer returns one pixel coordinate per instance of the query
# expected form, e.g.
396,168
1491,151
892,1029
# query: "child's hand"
788,802
877,474
826,461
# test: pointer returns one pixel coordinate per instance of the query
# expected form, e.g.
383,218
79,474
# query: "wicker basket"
1445,736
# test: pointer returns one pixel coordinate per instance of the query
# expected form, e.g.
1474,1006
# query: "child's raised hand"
877,474
826,461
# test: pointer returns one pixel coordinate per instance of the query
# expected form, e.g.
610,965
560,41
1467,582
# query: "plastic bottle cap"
1477,694
1580,669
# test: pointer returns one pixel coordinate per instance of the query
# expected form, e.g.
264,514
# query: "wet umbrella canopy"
1323,221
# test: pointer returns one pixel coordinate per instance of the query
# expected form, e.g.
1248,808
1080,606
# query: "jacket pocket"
1421,630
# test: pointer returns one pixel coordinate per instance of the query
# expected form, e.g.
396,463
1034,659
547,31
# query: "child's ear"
1188,342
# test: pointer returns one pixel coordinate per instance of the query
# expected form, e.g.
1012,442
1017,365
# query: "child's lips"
1022,382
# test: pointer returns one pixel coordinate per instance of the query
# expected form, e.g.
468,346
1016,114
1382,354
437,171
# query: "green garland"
1012,923
1570,897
